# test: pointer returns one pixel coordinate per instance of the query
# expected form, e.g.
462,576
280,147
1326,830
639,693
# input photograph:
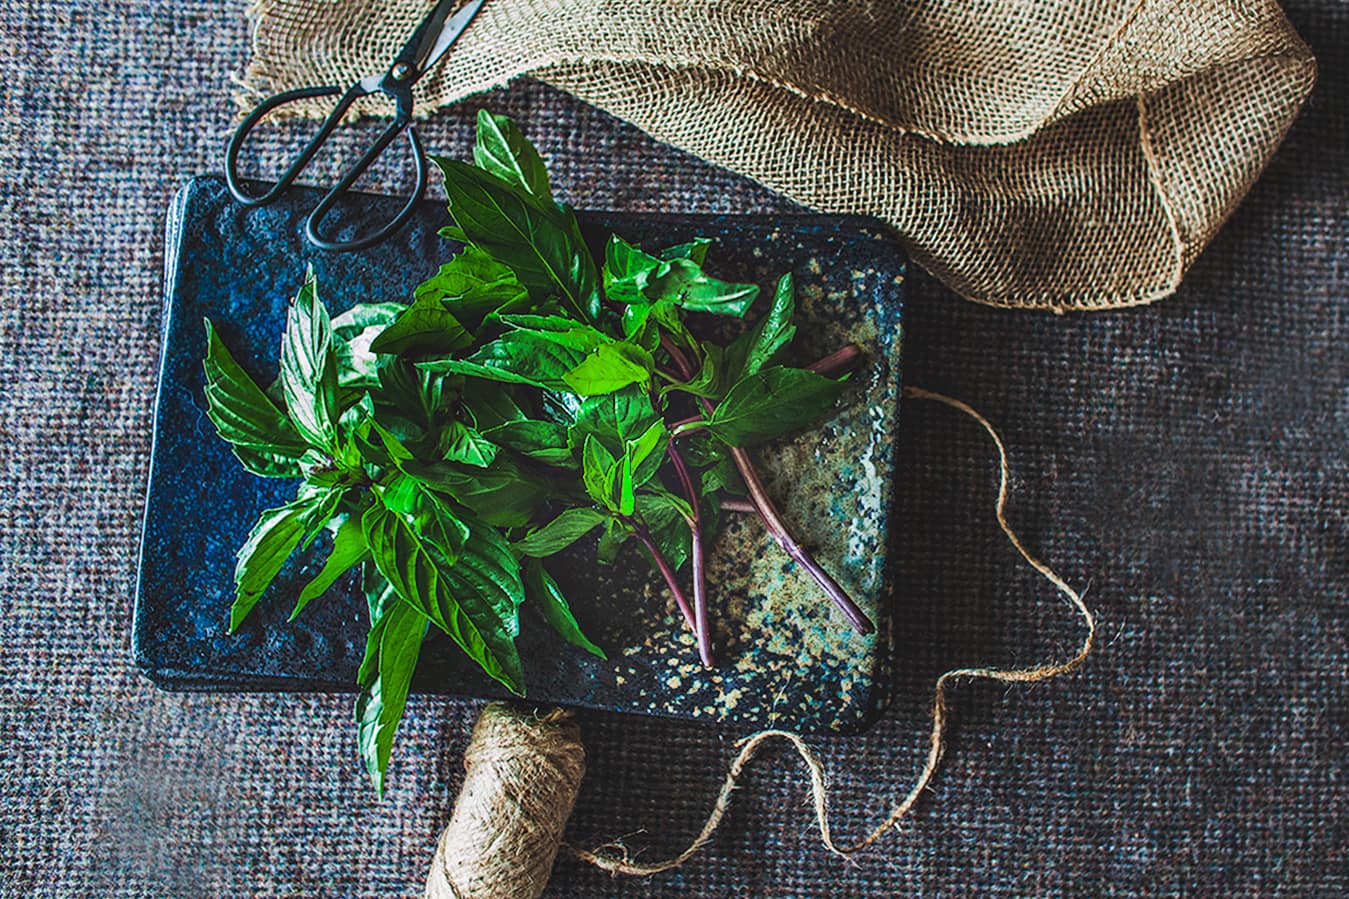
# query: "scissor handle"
330,199
387,84
288,177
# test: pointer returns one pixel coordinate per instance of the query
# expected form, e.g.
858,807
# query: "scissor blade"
437,42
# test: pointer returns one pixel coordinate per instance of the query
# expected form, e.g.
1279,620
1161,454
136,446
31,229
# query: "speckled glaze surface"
785,655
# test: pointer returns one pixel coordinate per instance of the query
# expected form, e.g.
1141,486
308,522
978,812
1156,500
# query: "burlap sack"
1063,154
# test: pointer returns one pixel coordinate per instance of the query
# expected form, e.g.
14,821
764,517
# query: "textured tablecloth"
1186,461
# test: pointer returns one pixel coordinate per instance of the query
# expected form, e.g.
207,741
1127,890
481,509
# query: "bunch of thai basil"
524,399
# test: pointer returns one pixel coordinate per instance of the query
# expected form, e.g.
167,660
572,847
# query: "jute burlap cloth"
1063,154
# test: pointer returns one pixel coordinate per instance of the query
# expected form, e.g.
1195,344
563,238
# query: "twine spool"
522,775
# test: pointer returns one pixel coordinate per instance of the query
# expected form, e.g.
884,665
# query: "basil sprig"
524,399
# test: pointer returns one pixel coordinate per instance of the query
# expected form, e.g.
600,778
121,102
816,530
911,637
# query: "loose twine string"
604,857
524,770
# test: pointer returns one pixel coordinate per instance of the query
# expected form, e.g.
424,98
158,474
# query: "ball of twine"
523,772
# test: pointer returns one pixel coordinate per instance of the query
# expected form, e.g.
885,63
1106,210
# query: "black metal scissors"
433,37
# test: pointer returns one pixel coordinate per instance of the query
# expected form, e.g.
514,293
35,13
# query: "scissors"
432,39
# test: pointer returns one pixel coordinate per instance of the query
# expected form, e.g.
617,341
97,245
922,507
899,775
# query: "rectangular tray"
785,655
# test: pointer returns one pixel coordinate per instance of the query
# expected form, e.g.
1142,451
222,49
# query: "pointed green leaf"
493,404
353,332
460,443
564,530
502,150
262,437
612,366
548,598
474,601
444,533
536,239
272,540
517,357
309,369
473,286
558,329
425,328
696,250
615,534
626,270
772,402
613,419
772,333
684,283
545,441
647,452
348,551
597,472
666,518
503,494
622,487
397,632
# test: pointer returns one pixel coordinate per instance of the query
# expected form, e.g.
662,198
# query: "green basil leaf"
683,282
547,596
460,443
397,632
695,250
558,329
377,445
309,368
621,486
723,476
423,329
487,577
612,538
597,472
353,332
663,515
545,441
401,493
560,406
701,449
474,602
611,367
764,343
378,593
625,272
658,503
348,551
442,530
443,533
516,357
639,327
647,452
502,150
262,437
538,241
473,286
613,419
717,372
772,402
503,494
492,405
408,399
271,541
564,530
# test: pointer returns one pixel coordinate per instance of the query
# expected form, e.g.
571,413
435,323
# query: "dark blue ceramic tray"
786,656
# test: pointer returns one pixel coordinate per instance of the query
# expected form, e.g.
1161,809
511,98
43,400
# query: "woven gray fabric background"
1187,461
